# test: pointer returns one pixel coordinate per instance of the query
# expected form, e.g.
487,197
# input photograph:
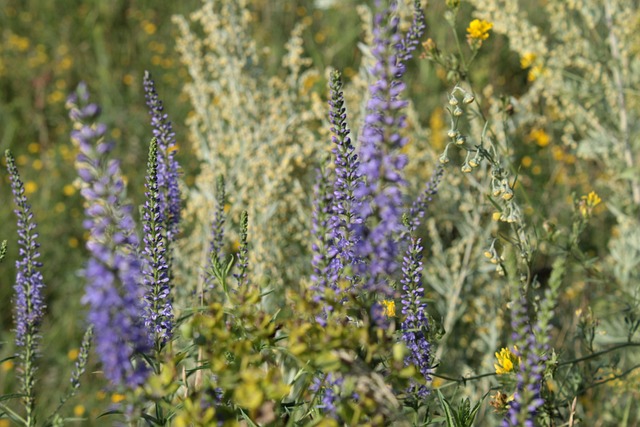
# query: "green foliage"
463,416
536,122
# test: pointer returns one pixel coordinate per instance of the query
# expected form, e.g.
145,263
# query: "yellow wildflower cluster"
587,203
507,361
389,308
479,29
540,137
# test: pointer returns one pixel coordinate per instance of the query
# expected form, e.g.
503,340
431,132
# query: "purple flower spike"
527,398
415,325
168,168
380,197
28,302
114,290
159,310
344,216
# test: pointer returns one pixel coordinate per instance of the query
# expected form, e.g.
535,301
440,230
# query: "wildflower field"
320,213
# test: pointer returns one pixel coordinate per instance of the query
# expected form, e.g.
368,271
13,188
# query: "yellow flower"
7,365
587,203
540,137
507,361
78,410
389,308
149,27
30,187
117,397
535,72
73,354
69,190
527,60
592,199
479,29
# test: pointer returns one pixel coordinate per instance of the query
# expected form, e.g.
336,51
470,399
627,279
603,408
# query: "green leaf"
449,412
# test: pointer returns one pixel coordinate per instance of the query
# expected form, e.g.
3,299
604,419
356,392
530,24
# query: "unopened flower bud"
457,112
452,4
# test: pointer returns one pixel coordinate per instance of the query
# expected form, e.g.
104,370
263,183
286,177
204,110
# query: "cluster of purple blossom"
527,398
358,213
128,286
361,224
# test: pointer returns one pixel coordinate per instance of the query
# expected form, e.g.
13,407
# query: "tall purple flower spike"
114,290
168,168
527,398
380,197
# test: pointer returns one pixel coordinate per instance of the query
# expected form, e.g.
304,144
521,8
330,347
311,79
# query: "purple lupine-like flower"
29,302
412,38
324,252
159,308
344,204
168,168
325,386
114,290
415,325
527,398
381,164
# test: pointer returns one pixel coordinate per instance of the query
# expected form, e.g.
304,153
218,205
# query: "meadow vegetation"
322,213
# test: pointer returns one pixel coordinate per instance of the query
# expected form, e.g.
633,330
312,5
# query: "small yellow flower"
117,397
30,187
507,361
73,354
527,60
69,190
479,29
78,410
389,308
587,203
149,27
535,72
540,137
592,199
7,365
128,79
